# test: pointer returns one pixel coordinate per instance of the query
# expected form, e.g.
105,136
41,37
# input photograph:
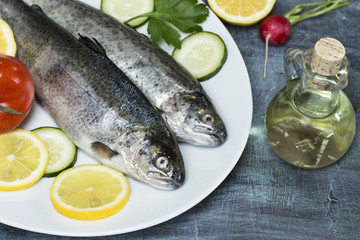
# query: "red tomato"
16,91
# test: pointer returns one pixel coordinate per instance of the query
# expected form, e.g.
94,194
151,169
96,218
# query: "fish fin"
160,110
37,8
134,29
102,151
93,44
37,99
129,26
145,36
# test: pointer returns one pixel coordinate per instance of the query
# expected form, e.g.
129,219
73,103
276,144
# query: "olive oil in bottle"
310,123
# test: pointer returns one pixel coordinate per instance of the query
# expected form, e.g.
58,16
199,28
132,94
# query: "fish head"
160,163
193,119
145,156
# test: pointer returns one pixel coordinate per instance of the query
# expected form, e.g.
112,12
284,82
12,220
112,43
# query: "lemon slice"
23,159
7,41
124,10
89,192
242,12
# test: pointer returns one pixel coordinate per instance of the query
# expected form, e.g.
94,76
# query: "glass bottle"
310,123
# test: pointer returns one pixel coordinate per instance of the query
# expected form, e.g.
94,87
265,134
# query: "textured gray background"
264,197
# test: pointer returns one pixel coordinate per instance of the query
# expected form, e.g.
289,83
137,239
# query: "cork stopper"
327,56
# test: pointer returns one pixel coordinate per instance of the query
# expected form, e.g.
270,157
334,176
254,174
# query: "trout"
93,101
180,98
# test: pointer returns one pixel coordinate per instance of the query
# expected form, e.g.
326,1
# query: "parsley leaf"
186,15
158,29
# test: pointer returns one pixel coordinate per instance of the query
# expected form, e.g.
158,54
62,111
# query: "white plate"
206,168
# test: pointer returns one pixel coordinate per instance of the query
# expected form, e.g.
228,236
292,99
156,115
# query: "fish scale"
182,101
93,101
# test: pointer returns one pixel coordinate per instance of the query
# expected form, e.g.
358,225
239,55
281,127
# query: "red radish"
275,29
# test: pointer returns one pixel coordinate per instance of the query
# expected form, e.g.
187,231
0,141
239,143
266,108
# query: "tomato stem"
295,15
8,110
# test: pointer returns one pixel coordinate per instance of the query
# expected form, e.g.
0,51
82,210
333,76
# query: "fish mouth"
219,136
163,181
210,138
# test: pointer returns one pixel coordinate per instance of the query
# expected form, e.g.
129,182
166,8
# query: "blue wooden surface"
264,197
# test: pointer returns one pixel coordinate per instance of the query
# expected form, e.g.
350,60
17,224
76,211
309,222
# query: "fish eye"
162,162
208,119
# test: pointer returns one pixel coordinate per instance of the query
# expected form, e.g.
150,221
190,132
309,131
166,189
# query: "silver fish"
93,101
184,105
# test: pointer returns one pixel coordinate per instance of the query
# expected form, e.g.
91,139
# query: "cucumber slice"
124,10
62,151
203,54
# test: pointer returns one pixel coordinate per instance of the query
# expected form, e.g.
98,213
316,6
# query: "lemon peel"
7,40
89,192
23,159
243,12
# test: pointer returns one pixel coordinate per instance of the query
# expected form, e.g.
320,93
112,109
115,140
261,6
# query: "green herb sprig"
298,14
8,110
186,15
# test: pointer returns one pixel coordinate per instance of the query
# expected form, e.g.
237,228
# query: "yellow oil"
309,142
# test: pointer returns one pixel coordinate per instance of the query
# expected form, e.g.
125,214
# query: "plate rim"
184,208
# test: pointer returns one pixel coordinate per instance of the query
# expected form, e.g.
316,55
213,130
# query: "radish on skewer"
276,29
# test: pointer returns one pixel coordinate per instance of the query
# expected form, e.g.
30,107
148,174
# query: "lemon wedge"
23,159
7,41
242,12
124,10
89,192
